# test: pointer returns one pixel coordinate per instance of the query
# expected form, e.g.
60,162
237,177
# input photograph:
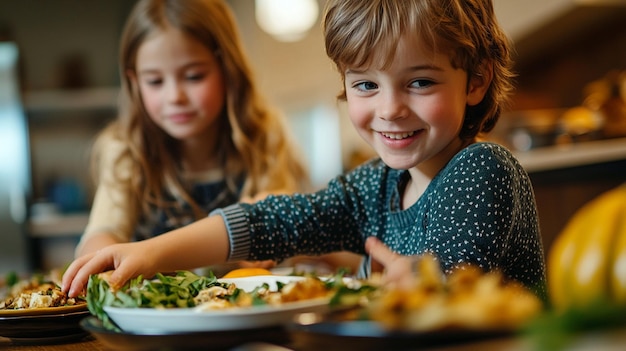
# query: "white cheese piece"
38,301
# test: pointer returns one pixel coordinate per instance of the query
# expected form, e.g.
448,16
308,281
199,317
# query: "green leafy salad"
182,289
164,291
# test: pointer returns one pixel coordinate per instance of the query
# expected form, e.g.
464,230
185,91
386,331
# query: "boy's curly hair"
361,33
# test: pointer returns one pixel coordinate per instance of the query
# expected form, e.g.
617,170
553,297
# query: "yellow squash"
247,272
587,261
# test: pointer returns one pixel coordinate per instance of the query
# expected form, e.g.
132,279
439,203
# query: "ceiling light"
286,20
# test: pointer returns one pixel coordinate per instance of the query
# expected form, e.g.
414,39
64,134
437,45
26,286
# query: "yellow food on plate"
467,298
246,272
221,297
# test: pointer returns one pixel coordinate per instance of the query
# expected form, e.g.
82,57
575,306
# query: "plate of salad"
186,302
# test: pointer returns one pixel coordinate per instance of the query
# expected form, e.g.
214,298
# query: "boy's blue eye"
366,86
421,83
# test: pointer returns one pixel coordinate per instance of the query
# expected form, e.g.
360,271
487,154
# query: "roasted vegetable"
466,298
11,279
247,272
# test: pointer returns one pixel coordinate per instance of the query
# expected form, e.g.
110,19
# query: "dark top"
480,208
209,195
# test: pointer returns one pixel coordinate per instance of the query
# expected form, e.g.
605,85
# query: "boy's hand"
399,270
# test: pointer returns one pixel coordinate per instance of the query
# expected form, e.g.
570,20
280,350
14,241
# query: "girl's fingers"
128,264
86,266
127,268
121,258
70,273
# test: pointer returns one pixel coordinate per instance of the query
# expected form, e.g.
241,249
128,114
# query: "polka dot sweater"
480,209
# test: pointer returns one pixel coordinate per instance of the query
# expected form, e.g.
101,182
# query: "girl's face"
181,84
411,112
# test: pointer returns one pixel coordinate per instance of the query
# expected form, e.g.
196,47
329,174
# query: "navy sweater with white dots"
480,209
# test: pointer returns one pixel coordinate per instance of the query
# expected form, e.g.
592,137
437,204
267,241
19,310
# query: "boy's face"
411,112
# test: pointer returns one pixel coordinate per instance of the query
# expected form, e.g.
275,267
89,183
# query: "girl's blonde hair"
360,33
252,140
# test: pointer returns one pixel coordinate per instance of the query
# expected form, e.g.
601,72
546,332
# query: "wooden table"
613,340
87,343
90,344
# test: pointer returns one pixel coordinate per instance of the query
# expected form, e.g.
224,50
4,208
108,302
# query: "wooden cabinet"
564,179
560,193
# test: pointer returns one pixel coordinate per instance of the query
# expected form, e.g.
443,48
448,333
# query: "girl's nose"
392,105
175,92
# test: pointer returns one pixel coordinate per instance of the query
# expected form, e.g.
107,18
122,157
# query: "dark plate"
217,340
369,335
43,328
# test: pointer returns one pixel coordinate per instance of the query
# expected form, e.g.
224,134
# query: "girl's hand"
127,260
399,270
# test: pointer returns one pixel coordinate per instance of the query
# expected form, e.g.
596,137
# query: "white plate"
196,320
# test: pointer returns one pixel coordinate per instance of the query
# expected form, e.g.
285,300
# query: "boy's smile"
398,136
401,140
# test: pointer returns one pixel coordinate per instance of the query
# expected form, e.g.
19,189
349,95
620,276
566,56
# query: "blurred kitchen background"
59,79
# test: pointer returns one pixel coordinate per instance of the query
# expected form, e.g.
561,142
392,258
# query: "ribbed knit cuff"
238,228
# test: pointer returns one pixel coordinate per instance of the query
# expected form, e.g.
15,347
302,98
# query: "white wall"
299,78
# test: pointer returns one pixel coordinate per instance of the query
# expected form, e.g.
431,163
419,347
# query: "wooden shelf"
58,225
573,155
99,98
